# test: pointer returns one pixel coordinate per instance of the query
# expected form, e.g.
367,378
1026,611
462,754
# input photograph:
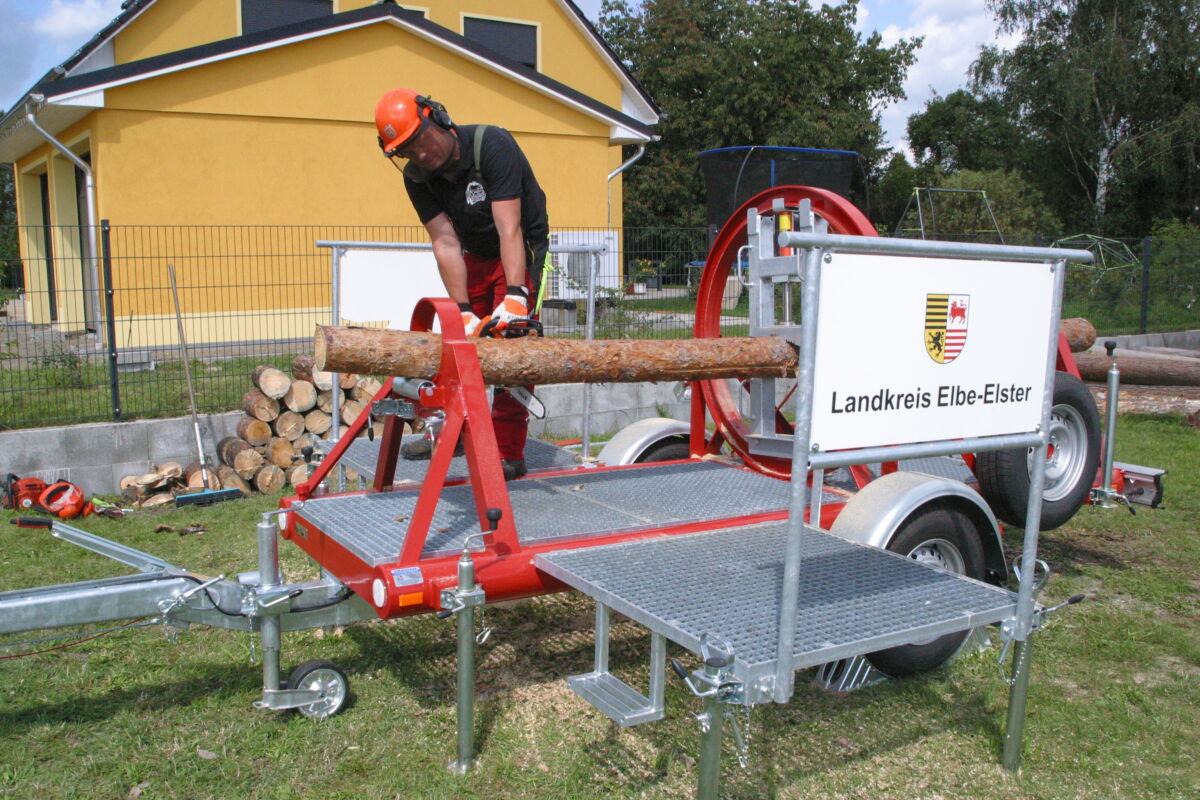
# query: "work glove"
470,322
513,308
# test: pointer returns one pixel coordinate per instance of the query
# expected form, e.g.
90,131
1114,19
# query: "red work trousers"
486,286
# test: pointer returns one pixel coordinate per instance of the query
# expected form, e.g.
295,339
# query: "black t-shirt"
466,197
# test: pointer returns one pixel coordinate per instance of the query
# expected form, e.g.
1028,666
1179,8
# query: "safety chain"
741,732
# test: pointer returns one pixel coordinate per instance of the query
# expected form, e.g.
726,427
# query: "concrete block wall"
97,455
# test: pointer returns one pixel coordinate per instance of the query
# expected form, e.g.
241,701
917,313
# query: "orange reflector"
411,599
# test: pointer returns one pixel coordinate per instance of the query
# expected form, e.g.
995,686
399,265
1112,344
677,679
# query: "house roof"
71,90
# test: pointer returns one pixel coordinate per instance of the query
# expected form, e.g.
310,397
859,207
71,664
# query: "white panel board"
924,349
380,288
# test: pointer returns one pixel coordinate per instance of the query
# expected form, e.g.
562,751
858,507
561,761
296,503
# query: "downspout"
641,149
92,298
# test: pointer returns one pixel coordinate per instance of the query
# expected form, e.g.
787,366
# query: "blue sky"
35,35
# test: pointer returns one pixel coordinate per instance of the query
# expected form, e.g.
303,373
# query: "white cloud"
75,21
35,36
953,32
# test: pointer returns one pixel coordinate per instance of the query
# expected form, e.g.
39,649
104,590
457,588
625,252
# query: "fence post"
110,320
1145,313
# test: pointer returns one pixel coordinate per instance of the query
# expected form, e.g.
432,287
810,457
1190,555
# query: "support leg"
1016,705
465,761
711,727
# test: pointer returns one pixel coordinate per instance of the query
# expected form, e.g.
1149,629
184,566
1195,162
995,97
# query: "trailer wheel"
942,536
668,450
326,678
1071,462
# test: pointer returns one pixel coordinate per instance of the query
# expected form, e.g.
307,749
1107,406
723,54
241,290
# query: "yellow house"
260,113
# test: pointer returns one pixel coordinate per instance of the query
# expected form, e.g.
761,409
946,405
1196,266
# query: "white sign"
925,349
380,288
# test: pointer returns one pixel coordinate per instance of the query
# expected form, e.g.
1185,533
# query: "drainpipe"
641,149
92,298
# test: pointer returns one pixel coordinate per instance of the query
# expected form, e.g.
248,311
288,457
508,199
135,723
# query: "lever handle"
493,517
32,522
679,670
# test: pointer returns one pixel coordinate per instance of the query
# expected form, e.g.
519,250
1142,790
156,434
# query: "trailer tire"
667,450
1070,467
945,536
326,678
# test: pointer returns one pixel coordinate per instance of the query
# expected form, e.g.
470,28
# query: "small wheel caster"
328,680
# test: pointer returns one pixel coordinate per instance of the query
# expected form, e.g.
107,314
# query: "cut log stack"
284,415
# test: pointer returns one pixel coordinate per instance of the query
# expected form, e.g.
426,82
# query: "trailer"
852,526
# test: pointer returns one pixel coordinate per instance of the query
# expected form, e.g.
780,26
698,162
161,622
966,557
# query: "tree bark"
1145,370
1080,333
534,360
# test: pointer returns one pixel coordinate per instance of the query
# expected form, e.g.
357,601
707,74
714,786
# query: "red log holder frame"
459,392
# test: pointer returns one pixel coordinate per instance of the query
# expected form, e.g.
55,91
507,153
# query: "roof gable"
97,56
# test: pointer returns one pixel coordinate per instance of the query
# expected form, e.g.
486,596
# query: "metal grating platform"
854,599
362,456
581,505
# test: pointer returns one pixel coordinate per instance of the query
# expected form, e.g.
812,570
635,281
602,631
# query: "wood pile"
283,415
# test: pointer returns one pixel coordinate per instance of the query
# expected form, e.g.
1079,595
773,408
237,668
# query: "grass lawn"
1113,709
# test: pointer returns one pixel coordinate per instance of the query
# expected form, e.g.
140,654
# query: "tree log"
253,430
317,422
304,370
289,425
1080,333
351,410
296,475
194,477
325,400
240,455
271,381
347,380
365,390
269,479
1142,369
539,361
231,480
258,405
279,452
301,396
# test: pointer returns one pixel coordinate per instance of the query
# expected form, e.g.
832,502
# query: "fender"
874,515
633,440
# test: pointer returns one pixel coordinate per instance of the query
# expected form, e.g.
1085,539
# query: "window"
515,40
261,15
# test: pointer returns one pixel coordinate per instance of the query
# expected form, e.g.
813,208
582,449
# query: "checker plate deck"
853,600
581,505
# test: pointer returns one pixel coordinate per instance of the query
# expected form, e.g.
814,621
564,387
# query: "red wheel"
834,214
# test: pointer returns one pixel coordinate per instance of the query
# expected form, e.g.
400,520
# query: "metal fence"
92,336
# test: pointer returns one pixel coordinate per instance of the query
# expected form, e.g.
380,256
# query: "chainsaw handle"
32,522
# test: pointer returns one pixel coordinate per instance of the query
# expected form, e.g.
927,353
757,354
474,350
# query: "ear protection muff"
437,112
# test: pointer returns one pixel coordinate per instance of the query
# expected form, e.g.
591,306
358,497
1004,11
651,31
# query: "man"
476,195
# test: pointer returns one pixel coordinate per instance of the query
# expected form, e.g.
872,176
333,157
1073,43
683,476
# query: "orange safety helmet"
400,115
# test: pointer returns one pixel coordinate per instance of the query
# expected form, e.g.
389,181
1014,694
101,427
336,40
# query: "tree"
8,230
962,131
1109,94
741,72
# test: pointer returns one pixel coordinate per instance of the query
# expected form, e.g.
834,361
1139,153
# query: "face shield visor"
429,149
